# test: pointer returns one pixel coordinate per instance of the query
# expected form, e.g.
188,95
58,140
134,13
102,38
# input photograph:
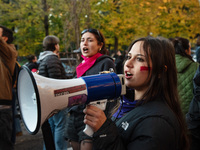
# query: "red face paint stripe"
144,68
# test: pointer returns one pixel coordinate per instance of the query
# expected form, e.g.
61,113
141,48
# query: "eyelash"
127,57
82,40
138,58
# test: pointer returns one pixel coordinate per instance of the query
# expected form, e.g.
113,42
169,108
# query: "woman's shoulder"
195,64
105,61
153,119
183,64
105,58
49,57
156,108
193,67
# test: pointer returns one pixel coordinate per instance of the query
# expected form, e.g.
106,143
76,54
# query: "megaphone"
40,97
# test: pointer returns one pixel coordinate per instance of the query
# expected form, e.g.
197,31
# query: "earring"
99,49
165,68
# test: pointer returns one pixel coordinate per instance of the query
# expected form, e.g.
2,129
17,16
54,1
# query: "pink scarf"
86,64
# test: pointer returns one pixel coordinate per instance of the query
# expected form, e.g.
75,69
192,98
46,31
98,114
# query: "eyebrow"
87,38
137,54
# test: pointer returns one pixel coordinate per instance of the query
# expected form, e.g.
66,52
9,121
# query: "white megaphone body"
40,97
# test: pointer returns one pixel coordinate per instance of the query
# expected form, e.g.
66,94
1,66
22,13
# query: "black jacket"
152,126
193,116
119,61
103,63
50,66
32,65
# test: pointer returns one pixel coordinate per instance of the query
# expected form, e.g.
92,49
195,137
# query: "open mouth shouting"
85,49
128,75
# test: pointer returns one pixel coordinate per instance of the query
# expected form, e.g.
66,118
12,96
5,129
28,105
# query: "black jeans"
6,130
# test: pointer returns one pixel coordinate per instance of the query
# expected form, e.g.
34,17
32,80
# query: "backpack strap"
16,73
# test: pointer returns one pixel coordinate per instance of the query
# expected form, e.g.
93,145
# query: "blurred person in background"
32,63
193,116
186,68
119,60
198,49
8,55
50,66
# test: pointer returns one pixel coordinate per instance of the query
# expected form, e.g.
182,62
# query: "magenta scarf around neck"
86,64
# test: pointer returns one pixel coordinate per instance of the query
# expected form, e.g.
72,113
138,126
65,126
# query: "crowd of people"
160,110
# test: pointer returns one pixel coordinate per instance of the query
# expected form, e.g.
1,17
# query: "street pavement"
30,142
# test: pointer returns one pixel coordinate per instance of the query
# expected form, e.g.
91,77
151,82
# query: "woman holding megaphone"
153,120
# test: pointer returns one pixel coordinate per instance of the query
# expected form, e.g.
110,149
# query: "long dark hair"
163,78
180,45
100,38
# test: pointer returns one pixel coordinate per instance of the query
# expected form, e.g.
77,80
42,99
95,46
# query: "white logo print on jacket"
125,125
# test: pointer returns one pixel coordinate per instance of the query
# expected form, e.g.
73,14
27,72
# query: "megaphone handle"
100,104
88,130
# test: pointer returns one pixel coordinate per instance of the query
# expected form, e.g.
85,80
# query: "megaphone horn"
40,97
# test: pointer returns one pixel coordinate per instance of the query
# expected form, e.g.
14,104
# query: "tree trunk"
76,22
46,21
116,45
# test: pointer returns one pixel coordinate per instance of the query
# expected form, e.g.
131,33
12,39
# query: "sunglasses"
95,31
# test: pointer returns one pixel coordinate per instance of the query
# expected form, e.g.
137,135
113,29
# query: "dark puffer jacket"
193,116
152,126
50,66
